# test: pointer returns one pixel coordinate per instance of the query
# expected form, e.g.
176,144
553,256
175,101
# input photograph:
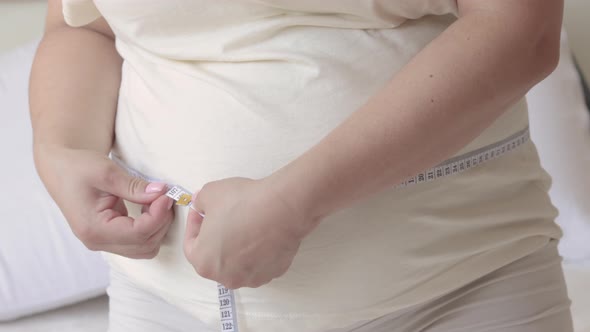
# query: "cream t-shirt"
222,88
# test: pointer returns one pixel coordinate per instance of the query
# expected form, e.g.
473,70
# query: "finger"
120,207
146,250
159,234
193,226
114,228
156,239
113,179
157,215
198,202
194,219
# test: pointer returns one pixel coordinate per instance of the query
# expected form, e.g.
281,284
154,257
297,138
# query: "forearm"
74,89
440,101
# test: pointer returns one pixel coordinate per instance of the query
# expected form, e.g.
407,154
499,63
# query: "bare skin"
73,98
453,89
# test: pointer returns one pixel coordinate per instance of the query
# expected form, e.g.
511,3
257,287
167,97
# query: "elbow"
545,54
531,32
529,29
534,58
540,35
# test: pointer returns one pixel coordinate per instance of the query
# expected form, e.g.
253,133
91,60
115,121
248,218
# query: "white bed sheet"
578,282
20,22
88,316
42,264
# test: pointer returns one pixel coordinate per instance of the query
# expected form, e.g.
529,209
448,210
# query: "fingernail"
155,187
170,203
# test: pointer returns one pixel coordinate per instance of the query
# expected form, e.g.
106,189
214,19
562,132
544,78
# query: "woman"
297,120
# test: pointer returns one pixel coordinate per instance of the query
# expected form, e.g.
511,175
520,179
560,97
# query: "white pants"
528,295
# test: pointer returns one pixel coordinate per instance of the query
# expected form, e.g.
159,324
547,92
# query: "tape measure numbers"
469,160
227,304
184,197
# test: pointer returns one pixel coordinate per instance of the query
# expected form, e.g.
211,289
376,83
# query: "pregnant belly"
193,125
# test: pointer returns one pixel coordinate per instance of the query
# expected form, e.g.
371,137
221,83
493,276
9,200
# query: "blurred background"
50,282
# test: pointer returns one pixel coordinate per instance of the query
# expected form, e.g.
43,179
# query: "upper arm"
55,20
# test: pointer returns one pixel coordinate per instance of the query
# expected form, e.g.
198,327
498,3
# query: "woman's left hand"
249,235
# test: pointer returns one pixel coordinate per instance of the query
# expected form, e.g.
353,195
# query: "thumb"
193,228
117,181
193,225
193,221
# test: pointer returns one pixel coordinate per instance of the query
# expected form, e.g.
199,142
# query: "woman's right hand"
89,188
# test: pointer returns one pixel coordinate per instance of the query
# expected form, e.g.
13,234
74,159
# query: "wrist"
295,188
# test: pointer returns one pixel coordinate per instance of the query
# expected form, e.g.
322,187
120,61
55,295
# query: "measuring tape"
469,160
183,197
227,304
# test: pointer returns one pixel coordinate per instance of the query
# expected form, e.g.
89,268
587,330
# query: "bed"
86,309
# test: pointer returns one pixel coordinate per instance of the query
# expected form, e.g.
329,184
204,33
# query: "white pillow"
560,126
42,265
